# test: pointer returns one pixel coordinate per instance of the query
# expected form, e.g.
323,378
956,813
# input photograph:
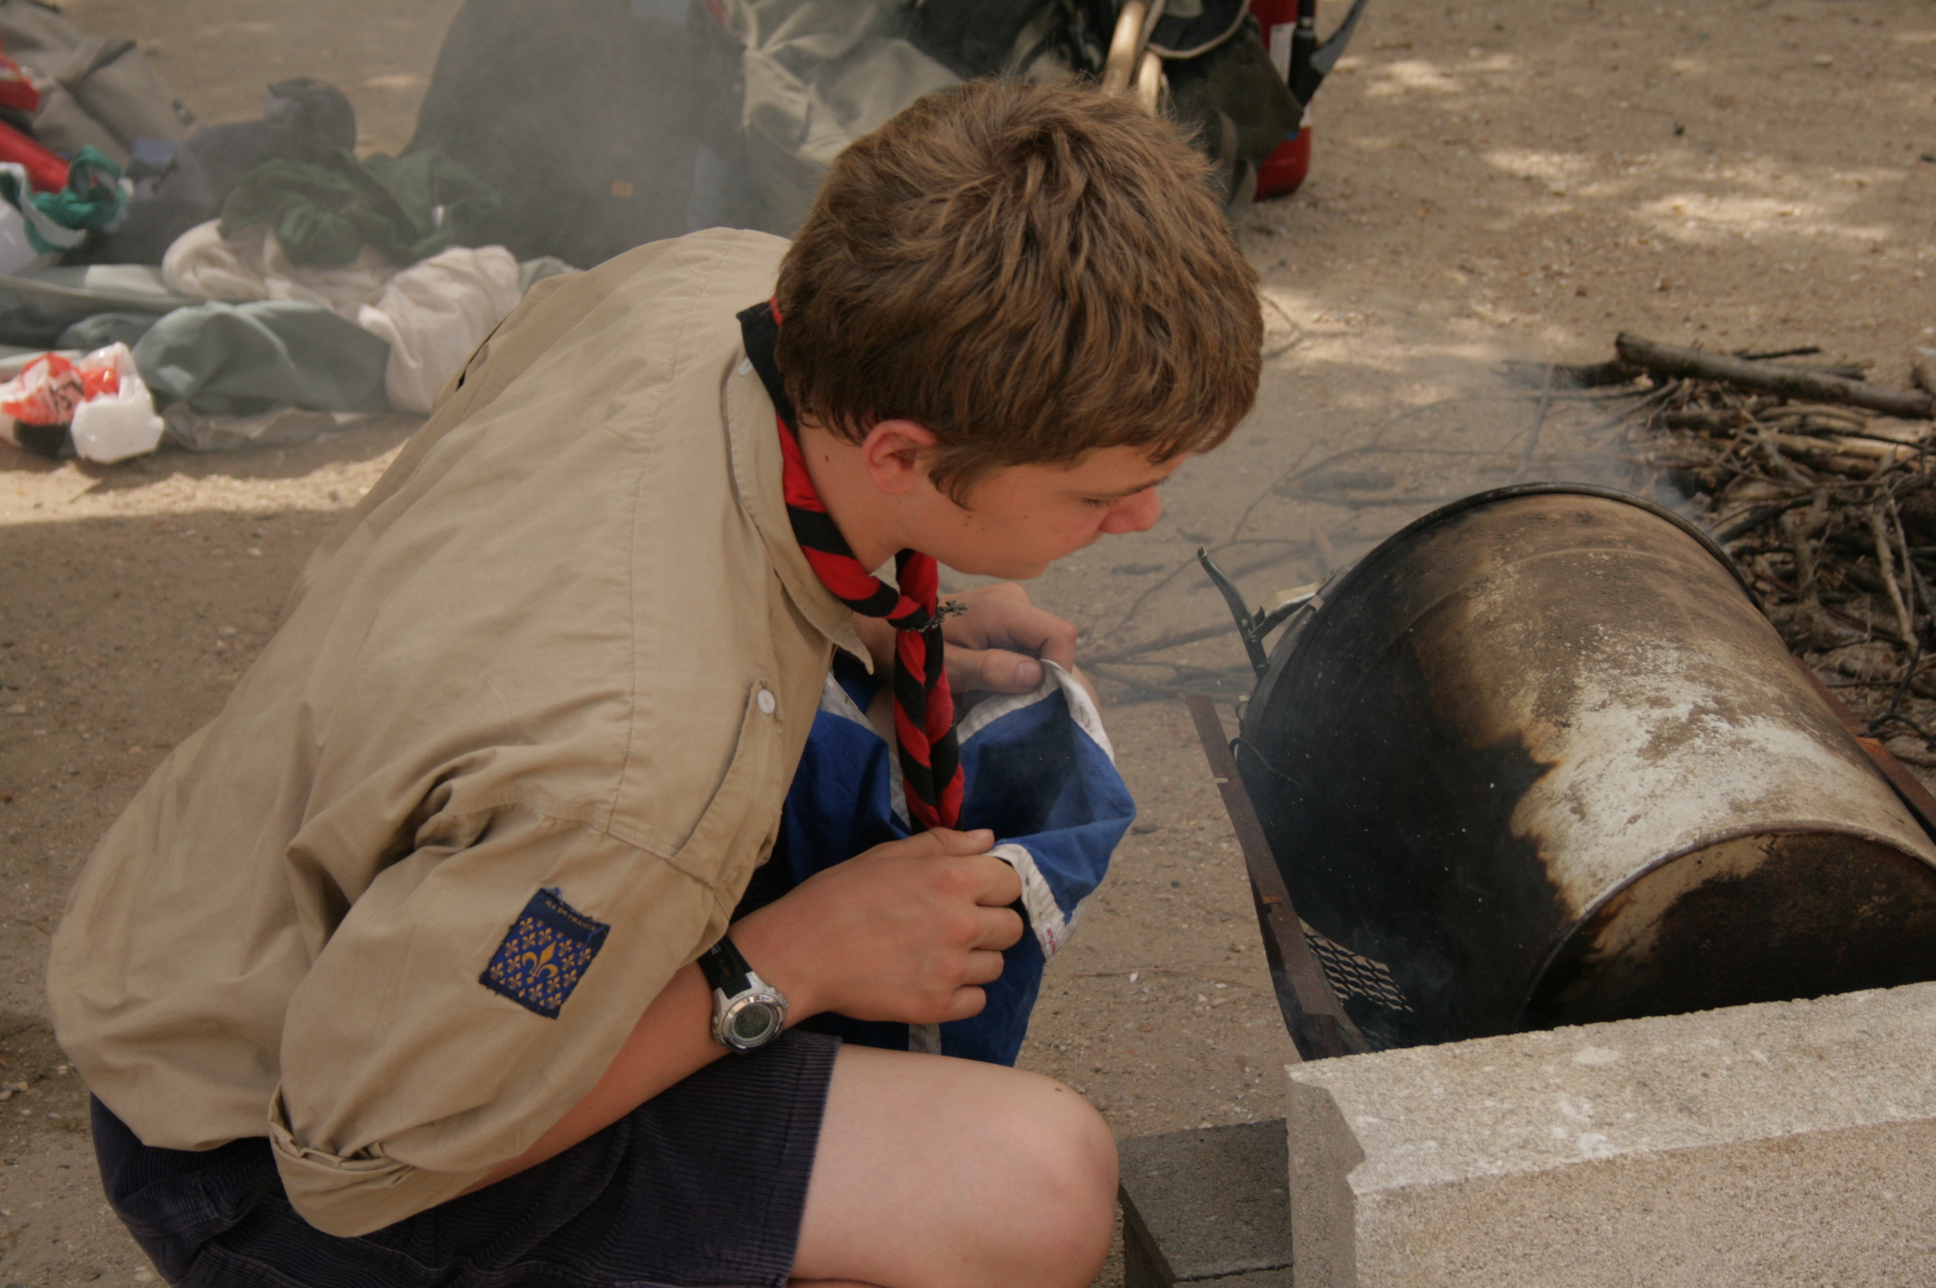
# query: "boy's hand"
993,645
907,931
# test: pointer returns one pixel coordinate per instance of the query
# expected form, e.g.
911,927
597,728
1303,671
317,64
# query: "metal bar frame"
1320,1028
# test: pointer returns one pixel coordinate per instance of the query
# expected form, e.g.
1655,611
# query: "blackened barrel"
1539,759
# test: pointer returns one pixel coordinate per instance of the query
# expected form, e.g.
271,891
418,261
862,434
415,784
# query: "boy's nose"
1137,513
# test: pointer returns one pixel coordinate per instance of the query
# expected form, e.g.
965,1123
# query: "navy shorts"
702,1185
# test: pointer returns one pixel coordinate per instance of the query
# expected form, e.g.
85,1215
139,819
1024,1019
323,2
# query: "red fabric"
45,171
16,91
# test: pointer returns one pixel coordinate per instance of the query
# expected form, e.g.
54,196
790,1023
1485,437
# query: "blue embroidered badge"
543,955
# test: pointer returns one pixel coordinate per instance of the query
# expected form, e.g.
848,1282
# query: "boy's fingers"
984,967
1003,930
1000,928
1003,616
967,1003
947,842
993,670
1037,630
957,842
1000,884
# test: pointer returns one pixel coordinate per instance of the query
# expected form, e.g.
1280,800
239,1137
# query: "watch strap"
726,968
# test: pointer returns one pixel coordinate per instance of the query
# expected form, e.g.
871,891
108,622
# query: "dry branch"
1788,381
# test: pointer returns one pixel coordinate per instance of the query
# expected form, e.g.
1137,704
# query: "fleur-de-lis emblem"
536,966
544,954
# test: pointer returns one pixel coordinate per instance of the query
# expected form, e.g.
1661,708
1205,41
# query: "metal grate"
1354,976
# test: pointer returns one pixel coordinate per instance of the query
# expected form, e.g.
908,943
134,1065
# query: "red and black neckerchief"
924,708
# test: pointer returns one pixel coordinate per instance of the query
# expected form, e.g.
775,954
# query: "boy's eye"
1098,503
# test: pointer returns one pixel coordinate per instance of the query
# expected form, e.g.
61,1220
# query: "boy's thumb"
949,841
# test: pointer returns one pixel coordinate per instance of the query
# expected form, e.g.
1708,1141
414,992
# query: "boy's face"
1021,519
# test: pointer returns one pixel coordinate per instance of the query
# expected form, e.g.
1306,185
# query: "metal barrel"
1539,759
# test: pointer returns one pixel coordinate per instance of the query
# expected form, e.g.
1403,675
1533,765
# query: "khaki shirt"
568,642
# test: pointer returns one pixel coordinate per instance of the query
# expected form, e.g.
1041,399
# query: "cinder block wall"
1769,1145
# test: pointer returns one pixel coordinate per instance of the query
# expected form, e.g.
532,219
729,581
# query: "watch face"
754,1024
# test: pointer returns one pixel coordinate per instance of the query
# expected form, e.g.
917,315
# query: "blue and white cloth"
1038,770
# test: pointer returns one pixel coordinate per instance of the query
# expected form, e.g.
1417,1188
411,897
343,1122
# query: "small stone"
1824,60
225,631
1142,829
17,709
255,552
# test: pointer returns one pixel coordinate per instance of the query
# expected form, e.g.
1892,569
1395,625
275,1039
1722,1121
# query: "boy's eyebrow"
1131,491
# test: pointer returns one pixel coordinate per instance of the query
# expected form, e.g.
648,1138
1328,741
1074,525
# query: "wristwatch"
748,1012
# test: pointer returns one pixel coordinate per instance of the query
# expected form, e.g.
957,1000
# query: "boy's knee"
1065,1198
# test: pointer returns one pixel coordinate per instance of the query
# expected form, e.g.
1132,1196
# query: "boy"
412,966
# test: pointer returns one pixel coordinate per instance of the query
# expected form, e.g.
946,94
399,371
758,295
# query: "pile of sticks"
1821,486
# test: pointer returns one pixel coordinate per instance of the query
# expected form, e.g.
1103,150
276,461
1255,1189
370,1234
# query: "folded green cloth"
241,359
56,221
325,212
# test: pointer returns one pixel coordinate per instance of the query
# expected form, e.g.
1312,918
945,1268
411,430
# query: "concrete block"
1785,1143
1207,1207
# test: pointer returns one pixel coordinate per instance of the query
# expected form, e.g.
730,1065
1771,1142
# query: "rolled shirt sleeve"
481,985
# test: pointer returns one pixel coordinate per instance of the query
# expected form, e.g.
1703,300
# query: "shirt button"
766,702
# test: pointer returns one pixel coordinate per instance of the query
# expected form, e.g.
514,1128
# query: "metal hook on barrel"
1255,628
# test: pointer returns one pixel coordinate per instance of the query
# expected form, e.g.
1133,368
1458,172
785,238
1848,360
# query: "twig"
1902,686
1742,526
1162,642
1918,584
1792,382
1886,559
1532,431
1869,629
1297,332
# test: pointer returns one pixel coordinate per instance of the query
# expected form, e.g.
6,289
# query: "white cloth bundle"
434,313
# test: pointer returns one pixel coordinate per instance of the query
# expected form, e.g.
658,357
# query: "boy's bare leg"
942,1173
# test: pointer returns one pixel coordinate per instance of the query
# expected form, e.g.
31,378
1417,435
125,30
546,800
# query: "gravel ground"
1514,180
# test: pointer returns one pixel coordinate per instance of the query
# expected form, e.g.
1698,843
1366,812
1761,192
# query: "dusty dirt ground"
1518,179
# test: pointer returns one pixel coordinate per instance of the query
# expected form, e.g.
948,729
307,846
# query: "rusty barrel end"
1541,758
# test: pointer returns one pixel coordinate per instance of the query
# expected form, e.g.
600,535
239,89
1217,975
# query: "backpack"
95,91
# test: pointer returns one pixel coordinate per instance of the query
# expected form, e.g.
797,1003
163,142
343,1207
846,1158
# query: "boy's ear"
894,454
